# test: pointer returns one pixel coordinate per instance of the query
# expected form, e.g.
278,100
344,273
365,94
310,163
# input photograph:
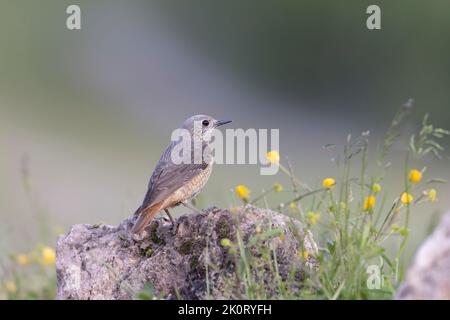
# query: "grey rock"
429,275
107,262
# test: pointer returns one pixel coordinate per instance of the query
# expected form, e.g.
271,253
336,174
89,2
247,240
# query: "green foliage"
426,141
29,276
353,220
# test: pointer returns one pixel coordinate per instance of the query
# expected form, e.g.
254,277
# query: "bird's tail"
145,217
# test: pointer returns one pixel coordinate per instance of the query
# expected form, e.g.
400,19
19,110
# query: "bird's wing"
168,177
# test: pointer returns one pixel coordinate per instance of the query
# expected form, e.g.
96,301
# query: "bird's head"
202,126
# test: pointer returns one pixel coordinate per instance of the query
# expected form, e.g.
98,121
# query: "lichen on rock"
109,262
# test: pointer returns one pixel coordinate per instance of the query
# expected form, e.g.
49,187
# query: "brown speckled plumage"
172,184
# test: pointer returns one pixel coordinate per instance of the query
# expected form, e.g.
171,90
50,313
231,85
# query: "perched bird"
174,183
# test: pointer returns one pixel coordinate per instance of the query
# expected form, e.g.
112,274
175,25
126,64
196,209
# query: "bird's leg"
189,206
170,216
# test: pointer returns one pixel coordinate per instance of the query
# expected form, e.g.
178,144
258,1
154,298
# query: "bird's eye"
205,123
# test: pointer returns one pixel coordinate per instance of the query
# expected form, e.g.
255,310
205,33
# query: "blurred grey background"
85,115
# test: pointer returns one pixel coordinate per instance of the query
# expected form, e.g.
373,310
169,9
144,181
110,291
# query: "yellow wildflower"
305,254
243,192
293,205
277,187
22,259
258,229
369,203
10,287
273,156
48,256
312,217
407,198
432,195
225,243
415,176
328,183
376,188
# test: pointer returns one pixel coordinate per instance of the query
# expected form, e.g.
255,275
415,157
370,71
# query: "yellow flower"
243,192
376,188
432,195
273,156
277,187
305,254
22,259
48,256
407,198
328,183
369,203
225,243
258,229
312,217
10,287
415,176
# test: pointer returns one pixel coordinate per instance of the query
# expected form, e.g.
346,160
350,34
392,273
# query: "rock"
106,262
429,275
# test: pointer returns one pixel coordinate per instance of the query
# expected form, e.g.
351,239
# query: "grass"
31,275
352,217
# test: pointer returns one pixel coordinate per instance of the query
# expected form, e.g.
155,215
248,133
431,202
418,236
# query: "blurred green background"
85,115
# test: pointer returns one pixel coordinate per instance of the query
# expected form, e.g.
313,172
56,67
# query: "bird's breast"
190,188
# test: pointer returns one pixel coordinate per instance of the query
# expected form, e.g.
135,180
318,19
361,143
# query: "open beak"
222,122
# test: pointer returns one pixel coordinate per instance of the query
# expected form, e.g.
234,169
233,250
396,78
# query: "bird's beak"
222,122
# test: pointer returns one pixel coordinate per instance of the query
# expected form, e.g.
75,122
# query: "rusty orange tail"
145,217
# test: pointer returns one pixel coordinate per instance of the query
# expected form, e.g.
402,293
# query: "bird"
173,183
